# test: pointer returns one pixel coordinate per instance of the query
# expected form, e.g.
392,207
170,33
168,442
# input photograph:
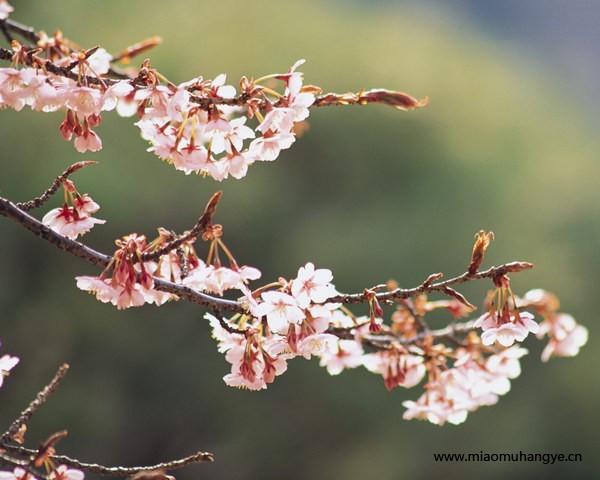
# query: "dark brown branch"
11,211
24,31
39,201
402,293
203,222
380,341
199,457
6,32
39,400
398,100
226,326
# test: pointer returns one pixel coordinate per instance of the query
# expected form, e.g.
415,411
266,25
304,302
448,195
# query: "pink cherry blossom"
505,333
280,309
312,285
566,336
267,147
62,472
226,340
84,101
219,89
126,282
346,354
17,474
506,363
7,363
435,407
118,93
397,366
207,278
5,9
69,222
318,345
255,365
88,140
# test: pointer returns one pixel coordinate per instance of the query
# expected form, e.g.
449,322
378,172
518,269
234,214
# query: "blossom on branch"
75,220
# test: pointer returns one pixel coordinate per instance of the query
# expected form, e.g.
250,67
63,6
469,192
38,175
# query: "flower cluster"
471,383
282,324
196,126
129,281
180,129
208,127
126,282
211,140
298,319
76,219
565,335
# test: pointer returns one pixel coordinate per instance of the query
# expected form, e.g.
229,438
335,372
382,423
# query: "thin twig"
203,222
226,326
26,32
389,337
5,32
39,400
403,293
58,181
199,457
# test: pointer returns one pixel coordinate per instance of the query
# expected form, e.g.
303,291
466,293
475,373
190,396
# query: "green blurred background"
507,144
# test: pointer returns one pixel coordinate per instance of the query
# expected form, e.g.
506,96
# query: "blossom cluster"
565,335
297,321
210,128
129,281
197,126
211,141
282,324
471,383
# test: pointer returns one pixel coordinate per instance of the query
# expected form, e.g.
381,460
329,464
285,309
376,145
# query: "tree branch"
58,181
199,457
26,32
39,400
403,293
11,211
203,222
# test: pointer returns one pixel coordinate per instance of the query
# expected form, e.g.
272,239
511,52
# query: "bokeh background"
508,143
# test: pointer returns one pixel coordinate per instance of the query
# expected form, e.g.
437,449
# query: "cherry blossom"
318,345
280,309
506,332
566,336
7,363
5,9
62,472
255,364
345,354
131,283
88,140
312,285
397,366
17,474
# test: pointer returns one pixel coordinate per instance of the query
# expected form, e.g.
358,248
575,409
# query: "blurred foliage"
369,192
